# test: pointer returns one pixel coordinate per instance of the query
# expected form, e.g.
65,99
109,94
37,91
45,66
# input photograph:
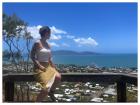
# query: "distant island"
70,52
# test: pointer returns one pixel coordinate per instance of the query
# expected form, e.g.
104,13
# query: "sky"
96,27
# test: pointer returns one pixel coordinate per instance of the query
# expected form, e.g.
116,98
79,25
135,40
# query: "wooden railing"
120,79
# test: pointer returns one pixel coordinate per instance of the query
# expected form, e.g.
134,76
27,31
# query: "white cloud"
34,30
39,26
53,44
70,36
65,45
85,41
55,37
54,30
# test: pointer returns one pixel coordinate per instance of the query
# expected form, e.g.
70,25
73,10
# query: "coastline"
71,68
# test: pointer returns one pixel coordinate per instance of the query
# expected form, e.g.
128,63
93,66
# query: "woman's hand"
42,68
53,66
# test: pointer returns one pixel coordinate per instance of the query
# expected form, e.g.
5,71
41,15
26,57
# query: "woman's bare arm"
33,56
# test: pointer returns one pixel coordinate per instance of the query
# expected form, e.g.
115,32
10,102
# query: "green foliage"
14,29
131,96
10,24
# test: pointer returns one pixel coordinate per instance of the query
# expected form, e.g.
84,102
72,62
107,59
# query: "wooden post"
9,91
121,91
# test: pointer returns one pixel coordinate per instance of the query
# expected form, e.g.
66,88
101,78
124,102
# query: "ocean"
99,60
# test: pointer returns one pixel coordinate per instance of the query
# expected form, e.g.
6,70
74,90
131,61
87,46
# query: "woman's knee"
58,76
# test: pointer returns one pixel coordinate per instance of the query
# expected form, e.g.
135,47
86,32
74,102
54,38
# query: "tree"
15,29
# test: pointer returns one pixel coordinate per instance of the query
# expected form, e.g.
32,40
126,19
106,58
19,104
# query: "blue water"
107,60
101,60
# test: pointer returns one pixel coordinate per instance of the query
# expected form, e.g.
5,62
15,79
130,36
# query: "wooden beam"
120,79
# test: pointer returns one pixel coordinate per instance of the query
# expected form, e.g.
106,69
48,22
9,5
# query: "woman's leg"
55,84
43,93
56,81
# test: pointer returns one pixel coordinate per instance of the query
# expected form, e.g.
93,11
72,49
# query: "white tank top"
43,54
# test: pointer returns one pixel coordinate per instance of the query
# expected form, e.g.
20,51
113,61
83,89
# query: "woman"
45,72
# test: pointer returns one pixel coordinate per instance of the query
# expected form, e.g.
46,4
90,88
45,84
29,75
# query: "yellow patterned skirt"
45,78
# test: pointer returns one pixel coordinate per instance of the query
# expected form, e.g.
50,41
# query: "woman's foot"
51,94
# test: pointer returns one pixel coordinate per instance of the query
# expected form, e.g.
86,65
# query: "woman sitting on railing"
45,71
